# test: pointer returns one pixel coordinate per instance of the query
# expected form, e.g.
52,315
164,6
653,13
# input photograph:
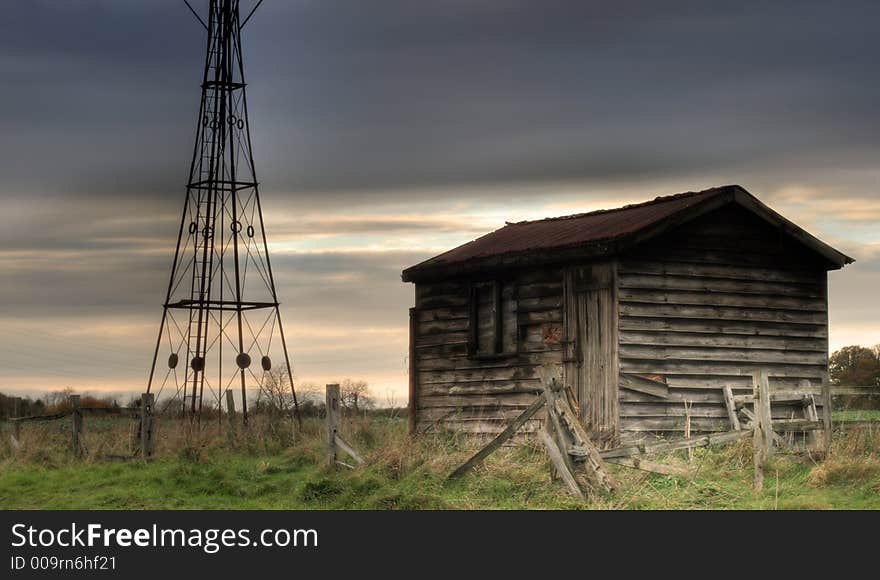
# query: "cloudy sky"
388,131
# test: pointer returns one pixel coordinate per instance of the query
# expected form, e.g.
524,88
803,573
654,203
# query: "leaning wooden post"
76,424
147,431
332,402
826,415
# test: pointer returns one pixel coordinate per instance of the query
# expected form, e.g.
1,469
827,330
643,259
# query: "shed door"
591,322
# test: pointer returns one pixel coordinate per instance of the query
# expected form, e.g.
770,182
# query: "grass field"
267,469
857,415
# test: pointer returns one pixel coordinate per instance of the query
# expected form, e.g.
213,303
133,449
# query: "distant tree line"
856,366
52,402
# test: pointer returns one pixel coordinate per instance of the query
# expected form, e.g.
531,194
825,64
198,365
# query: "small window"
491,318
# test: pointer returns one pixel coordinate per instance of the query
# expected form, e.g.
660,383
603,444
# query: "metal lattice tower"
221,320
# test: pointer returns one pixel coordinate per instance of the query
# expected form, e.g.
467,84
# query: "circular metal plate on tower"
243,360
193,227
235,226
266,363
172,360
197,363
250,231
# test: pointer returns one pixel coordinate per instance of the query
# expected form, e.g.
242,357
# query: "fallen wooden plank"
639,384
342,444
666,446
644,465
509,432
560,464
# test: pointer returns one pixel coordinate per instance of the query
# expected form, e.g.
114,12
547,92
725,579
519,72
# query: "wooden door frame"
578,282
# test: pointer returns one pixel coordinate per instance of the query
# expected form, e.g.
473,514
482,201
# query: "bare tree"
57,398
275,396
355,395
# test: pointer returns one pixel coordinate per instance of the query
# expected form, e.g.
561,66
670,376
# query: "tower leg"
289,371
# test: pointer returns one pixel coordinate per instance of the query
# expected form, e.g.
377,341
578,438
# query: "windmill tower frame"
221,291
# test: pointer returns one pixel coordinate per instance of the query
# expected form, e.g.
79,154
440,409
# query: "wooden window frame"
497,287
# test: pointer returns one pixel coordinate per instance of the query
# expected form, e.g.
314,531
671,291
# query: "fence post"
147,430
332,403
77,425
16,425
762,425
826,415
767,418
230,406
230,415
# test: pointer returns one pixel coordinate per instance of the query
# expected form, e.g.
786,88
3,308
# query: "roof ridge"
657,200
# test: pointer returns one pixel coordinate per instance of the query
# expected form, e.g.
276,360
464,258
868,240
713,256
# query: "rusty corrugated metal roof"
590,229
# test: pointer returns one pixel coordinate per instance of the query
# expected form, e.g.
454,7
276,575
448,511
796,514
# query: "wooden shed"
649,309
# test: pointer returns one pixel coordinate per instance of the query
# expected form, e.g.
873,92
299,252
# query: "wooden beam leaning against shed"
560,462
561,416
509,432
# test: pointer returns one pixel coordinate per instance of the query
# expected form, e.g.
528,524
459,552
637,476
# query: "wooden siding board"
721,313
717,340
751,356
698,270
719,285
734,327
716,299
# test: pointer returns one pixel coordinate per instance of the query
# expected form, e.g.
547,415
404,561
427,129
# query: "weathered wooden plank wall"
706,304
481,393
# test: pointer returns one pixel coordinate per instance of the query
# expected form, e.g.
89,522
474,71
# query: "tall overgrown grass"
273,465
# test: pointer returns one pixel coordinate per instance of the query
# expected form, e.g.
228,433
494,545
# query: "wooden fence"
76,412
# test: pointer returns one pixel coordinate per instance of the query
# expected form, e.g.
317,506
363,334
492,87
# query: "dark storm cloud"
368,116
368,95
